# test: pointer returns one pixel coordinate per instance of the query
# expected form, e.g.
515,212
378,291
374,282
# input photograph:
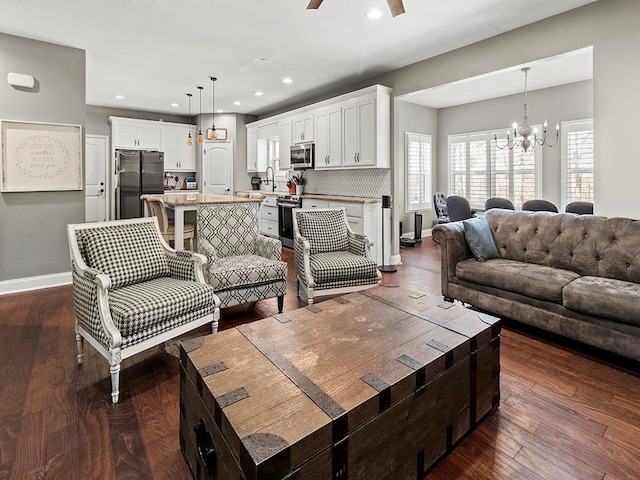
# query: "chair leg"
280,303
79,345
114,362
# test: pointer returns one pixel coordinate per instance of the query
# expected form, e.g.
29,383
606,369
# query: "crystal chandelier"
525,130
200,136
189,137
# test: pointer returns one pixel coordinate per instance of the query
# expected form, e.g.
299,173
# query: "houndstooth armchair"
330,258
243,266
131,291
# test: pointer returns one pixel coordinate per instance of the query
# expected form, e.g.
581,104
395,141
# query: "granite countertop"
315,196
176,199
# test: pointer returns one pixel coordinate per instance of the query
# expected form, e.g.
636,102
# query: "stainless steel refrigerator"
139,172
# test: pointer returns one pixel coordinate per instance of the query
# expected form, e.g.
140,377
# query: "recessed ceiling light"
374,14
120,97
258,94
174,104
237,103
220,110
287,80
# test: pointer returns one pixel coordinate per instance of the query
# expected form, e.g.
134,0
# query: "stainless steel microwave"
302,155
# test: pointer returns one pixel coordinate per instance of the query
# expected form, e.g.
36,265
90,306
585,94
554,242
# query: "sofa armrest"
186,265
268,247
453,249
359,244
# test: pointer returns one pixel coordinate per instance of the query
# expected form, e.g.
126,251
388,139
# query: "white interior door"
96,188
217,168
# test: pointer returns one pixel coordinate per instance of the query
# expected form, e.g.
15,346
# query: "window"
479,170
418,171
577,161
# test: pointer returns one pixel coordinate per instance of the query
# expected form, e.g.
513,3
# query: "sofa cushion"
531,280
331,267
144,309
128,254
245,270
478,235
604,297
326,230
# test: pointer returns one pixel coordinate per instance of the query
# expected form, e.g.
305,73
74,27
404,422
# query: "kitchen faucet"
273,180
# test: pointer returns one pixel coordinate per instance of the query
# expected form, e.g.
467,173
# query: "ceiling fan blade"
396,7
313,4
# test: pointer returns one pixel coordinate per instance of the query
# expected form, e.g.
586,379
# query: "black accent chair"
440,204
539,206
459,208
497,202
581,208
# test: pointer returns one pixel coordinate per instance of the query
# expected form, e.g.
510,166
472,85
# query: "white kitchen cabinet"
303,127
178,156
314,203
363,219
252,149
328,138
285,133
269,217
359,133
135,134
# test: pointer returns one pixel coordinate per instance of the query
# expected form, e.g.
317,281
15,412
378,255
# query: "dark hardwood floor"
565,412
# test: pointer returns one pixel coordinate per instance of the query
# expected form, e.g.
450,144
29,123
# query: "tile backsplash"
176,179
371,182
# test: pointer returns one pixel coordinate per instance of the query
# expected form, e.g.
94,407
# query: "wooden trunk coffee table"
377,384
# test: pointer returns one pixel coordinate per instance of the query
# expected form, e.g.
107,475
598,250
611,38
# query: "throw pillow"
478,235
128,254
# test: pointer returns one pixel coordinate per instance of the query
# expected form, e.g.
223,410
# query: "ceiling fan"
396,6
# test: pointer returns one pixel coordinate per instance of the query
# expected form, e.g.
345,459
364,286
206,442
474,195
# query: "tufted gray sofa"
575,275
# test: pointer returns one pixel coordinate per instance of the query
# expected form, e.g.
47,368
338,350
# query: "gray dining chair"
497,202
539,205
459,208
580,208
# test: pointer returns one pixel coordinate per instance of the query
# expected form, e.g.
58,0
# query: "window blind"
578,160
418,168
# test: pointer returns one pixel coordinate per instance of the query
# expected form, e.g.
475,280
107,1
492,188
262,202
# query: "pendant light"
200,136
212,135
189,138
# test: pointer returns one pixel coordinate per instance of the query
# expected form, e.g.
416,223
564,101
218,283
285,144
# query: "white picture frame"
40,157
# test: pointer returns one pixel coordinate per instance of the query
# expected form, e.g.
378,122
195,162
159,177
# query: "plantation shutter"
418,168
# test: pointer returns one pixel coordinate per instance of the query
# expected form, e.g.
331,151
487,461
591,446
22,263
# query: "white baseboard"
35,283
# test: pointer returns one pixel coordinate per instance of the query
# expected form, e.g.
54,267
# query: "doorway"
217,167
96,192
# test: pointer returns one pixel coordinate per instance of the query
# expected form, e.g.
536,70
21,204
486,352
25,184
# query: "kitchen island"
181,203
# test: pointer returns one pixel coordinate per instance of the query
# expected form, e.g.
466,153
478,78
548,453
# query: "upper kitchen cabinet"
252,149
178,156
328,137
303,127
285,132
135,134
366,130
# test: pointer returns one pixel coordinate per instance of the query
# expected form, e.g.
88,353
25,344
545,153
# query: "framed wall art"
217,134
39,157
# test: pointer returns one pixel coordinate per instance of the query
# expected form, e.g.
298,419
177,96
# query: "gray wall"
567,102
611,28
32,233
412,118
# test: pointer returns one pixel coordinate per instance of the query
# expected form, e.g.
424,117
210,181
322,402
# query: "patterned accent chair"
440,203
330,258
243,266
131,291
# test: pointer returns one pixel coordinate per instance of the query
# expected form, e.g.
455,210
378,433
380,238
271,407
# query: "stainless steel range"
286,204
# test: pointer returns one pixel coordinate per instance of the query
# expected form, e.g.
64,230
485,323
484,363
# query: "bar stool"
155,207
